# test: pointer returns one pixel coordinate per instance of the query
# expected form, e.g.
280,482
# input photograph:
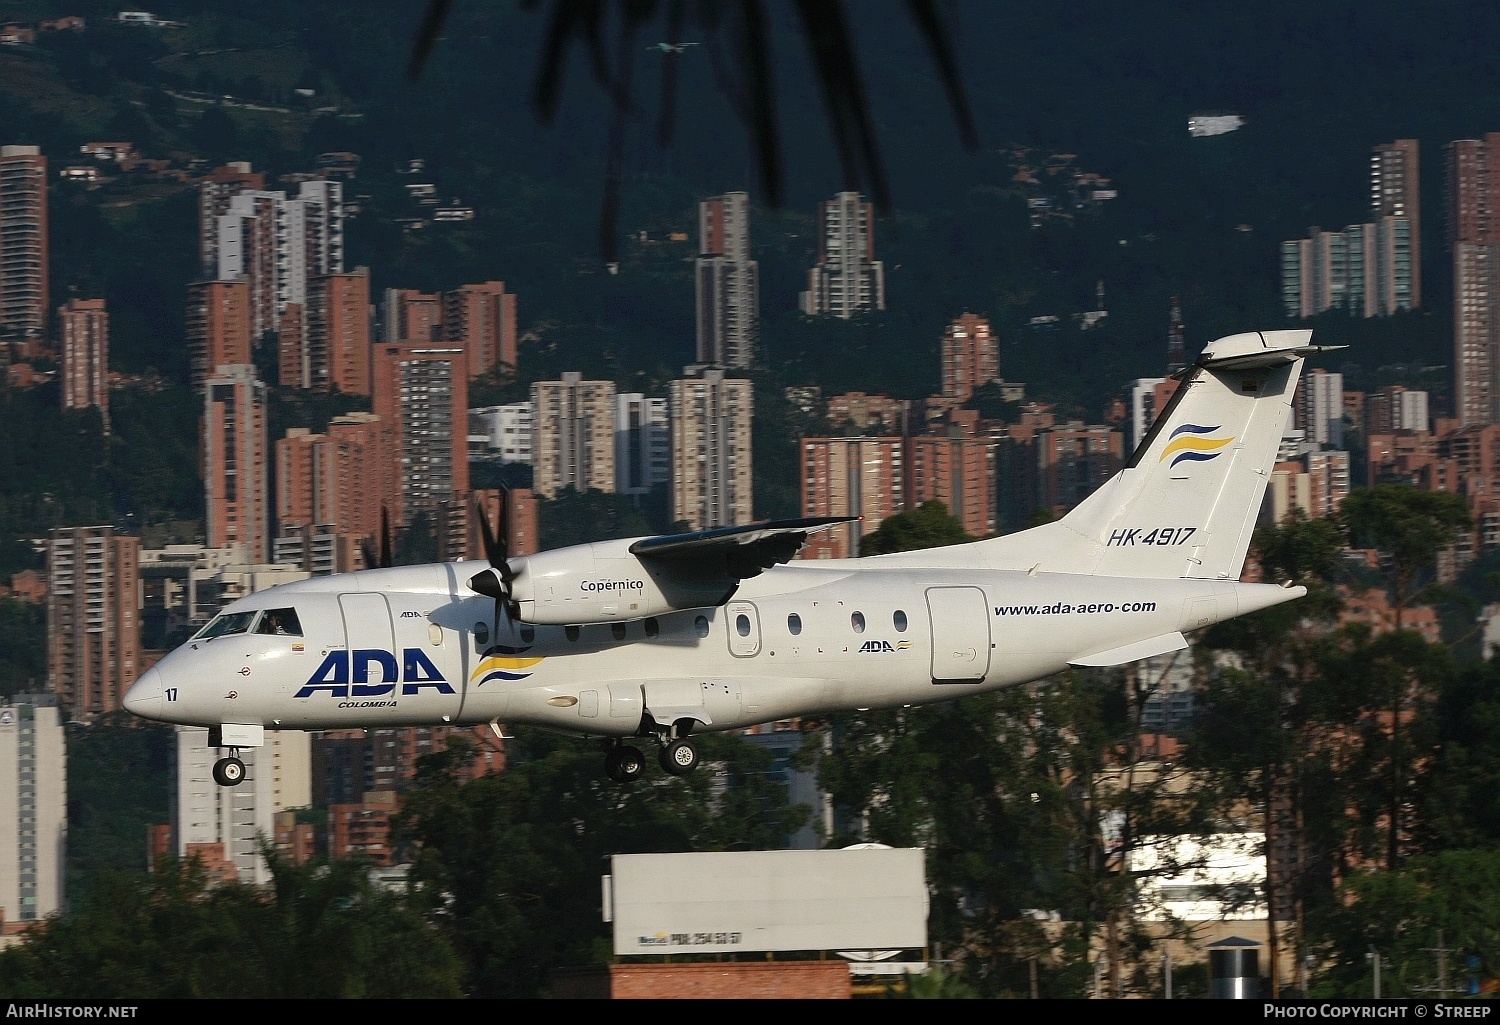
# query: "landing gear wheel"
229,772
680,757
624,764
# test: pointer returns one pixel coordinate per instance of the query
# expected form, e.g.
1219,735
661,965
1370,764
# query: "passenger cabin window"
224,624
528,634
618,630
742,625
652,627
858,622
571,632
481,634
700,625
794,624
899,621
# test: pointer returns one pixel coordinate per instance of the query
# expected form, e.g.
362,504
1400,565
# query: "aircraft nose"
144,696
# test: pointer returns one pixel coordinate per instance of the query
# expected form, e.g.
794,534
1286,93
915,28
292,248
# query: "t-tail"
1186,503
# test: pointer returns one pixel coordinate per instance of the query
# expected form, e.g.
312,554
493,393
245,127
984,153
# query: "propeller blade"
495,582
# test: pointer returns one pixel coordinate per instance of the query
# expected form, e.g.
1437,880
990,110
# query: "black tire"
631,763
229,772
680,757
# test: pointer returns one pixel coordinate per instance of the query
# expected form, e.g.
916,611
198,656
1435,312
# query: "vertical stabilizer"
1187,502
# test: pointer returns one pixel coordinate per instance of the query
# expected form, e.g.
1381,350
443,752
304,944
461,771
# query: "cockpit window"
226,623
280,621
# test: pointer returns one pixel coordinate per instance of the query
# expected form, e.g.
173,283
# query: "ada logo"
884,646
335,675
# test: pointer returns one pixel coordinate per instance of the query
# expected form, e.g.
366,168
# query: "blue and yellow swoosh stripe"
501,662
1188,442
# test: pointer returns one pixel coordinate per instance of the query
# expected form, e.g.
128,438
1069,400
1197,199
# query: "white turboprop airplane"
667,637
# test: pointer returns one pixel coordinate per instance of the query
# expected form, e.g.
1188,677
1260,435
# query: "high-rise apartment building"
83,332
1320,408
407,315
643,443
712,482
422,390
507,431
1148,398
573,435
1072,460
1473,232
218,327
971,356
728,283
862,477
93,617
960,473
482,318
23,242
335,354
278,776
847,279
276,244
235,453
1176,338
1396,192
214,193
343,478
33,808
1397,408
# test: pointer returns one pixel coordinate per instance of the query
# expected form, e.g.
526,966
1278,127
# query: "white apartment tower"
506,430
711,465
1320,408
847,279
728,283
573,435
643,443
278,776
33,807
276,244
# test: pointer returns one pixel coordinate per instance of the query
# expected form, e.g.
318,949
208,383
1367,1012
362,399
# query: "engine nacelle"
604,583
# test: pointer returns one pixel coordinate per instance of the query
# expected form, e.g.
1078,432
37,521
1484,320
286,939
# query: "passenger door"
960,619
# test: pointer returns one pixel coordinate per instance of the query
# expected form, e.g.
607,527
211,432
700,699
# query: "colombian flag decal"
501,662
1189,443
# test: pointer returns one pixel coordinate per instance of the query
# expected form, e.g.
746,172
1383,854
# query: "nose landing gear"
229,772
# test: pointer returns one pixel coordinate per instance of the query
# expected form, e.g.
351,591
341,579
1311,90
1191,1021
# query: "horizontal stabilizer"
1133,652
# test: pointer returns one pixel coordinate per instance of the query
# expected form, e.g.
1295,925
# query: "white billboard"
858,899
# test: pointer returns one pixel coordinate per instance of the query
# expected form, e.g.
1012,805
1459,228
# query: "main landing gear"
625,763
229,772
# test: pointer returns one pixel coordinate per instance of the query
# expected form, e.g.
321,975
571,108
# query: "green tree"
23,646
1260,741
511,863
927,526
1450,900
321,932
578,517
1409,527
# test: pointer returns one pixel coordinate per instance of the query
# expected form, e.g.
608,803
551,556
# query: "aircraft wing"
739,552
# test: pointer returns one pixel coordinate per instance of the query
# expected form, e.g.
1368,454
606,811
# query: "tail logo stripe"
1192,446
